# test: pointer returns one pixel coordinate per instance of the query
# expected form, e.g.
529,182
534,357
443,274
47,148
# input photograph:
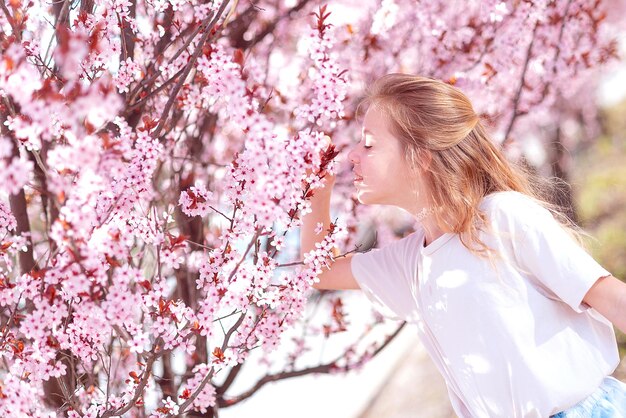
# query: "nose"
353,155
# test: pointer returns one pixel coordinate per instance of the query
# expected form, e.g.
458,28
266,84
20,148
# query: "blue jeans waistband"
608,401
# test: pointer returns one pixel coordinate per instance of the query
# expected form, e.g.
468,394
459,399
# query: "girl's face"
382,176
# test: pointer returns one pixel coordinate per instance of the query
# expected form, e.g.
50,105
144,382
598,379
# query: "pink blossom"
196,200
7,220
161,325
128,72
169,408
206,397
139,342
16,174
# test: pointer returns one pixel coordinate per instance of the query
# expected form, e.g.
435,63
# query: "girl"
514,313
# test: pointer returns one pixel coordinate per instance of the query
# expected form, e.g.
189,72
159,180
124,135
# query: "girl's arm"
608,297
339,275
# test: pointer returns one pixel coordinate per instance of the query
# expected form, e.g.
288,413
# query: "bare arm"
339,275
608,296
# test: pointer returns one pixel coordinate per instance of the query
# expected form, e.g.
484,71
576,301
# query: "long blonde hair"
428,115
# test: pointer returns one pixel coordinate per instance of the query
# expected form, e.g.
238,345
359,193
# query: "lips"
357,177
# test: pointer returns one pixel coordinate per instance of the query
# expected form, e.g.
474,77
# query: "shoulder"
398,250
510,202
514,208
408,241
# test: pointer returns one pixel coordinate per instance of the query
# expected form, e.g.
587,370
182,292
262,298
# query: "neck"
432,231
425,216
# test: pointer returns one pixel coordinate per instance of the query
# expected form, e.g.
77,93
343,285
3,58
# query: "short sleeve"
551,255
385,275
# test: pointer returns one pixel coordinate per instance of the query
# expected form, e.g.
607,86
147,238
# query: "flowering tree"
156,158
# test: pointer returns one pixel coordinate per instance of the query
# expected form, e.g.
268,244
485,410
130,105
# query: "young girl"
513,312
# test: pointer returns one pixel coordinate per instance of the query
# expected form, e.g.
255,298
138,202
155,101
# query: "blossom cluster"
196,201
327,78
128,72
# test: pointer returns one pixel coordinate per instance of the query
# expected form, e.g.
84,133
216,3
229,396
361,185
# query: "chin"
366,198
360,198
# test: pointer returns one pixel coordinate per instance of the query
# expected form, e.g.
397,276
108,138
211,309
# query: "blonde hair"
431,116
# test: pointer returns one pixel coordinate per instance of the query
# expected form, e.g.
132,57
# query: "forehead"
375,121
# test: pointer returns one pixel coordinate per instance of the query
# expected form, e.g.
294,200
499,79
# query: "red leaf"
207,50
133,374
218,354
112,261
176,240
148,123
145,284
164,306
50,293
17,346
489,71
238,57
186,394
52,342
38,274
8,63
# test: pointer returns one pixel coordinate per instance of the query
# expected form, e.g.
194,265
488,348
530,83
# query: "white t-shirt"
511,336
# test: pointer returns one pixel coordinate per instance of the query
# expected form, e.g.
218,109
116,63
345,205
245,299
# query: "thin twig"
299,263
9,18
139,390
209,375
189,66
516,101
154,92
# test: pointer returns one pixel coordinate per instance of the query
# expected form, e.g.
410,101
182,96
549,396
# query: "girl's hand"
327,154
328,179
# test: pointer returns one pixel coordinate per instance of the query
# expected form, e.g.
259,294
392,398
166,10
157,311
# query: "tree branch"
188,68
10,19
139,390
18,201
270,27
322,368
516,100
209,375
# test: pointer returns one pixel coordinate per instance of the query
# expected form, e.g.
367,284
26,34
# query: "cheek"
398,170
405,178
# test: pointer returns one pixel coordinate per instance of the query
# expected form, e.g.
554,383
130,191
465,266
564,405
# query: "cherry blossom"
196,201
